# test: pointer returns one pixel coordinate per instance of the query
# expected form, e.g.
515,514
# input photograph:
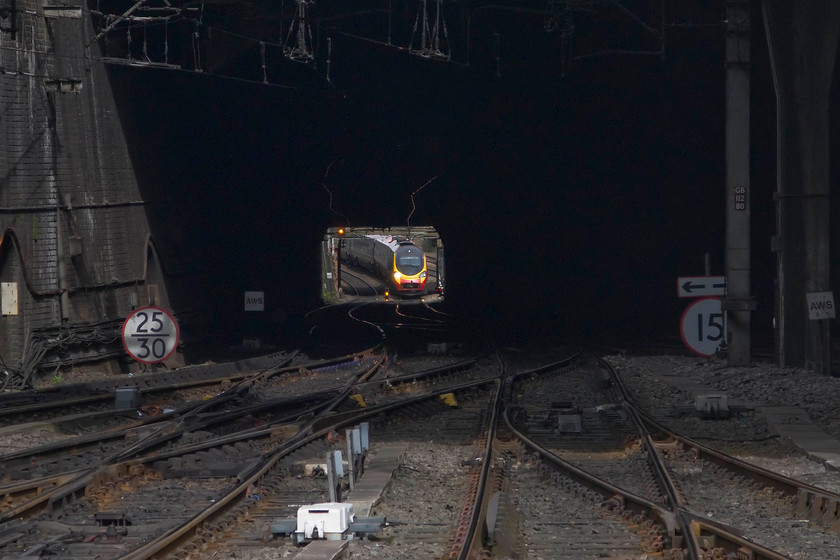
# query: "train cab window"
409,264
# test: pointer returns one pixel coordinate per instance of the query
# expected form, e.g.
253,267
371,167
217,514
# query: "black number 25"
141,328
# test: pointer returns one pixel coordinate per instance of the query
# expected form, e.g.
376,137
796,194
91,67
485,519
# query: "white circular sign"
150,334
703,326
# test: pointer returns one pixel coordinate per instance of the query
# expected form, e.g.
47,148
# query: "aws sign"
254,301
820,305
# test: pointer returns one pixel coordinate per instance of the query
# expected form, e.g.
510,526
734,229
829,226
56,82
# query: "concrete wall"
75,234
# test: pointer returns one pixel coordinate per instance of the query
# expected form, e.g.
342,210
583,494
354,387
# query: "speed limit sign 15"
703,326
150,334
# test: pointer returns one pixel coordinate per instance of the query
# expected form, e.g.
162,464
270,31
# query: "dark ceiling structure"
578,151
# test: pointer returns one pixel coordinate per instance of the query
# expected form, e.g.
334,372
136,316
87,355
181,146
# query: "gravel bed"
762,520
425,497
747,437
12,442
555,520
397,365
428,486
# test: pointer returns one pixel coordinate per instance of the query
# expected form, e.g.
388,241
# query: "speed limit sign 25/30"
150,334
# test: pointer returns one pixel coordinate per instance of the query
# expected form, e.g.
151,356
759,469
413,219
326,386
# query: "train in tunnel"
394,258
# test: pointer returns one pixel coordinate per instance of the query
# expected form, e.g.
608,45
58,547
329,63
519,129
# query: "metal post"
364,444
331,475
802,38
439,266
337,267
350,466
354,445
738,302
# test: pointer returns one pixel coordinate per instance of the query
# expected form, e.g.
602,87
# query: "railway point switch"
328,520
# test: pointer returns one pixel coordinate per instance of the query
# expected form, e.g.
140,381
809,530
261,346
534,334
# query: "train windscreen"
410,263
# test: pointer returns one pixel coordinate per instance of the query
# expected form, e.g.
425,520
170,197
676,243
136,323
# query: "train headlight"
397,275
423,274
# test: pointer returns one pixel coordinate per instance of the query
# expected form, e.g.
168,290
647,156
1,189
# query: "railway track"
273,472
100,396
404,320
554,461
765,522
232,407
149,474
588,430
356,284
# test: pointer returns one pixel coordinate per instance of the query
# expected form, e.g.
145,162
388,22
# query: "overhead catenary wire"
132,18
301,51
128,22
413,205
116,22
13,72
324,184
196,44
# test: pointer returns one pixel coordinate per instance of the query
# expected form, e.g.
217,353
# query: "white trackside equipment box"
328,520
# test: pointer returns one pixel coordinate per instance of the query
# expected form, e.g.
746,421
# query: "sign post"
703,326
150,335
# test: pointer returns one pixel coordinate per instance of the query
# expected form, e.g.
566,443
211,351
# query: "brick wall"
67,187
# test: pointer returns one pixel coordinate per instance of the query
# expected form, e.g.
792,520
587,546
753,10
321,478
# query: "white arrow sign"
701,286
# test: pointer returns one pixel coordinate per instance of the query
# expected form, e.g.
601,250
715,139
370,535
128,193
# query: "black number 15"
715,322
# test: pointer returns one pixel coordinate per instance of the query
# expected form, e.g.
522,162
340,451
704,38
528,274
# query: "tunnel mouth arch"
386,265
